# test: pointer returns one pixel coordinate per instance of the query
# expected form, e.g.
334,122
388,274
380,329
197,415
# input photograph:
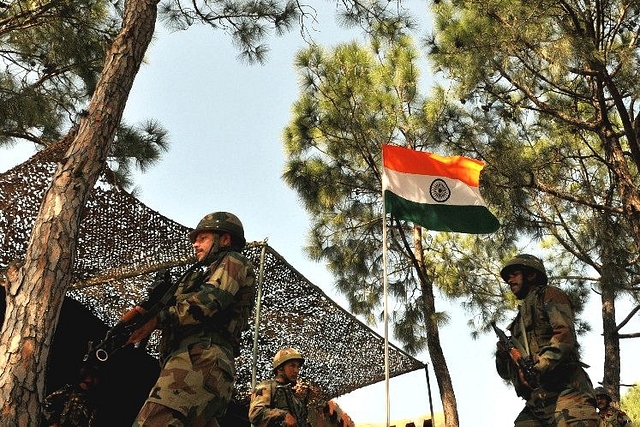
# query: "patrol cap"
524,260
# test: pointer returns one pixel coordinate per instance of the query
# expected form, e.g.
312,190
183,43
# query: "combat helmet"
224,222
601,391
524,260
284,355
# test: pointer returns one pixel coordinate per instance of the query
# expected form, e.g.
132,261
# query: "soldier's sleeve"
260,412
54,403
624,419
232,273
562,343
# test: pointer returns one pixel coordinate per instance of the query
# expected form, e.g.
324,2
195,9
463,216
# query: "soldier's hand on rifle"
289,420
144,331
131,315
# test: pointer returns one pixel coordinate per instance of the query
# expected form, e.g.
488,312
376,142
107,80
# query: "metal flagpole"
385,316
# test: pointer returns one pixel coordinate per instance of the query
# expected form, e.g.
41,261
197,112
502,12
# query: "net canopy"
123,243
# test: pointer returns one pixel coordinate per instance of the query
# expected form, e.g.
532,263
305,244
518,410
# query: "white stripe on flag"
418,188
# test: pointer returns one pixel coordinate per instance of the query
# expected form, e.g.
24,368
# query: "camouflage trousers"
570,409
193,389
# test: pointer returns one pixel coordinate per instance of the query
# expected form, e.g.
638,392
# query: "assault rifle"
116,338
526,371
299,412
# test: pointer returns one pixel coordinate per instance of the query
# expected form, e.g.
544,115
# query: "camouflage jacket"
613,417
70,407
548,318
212,303
270,402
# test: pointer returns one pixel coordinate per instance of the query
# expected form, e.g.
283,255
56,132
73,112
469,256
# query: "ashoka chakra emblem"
439,190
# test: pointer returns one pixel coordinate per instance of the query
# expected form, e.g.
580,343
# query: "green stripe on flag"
462,219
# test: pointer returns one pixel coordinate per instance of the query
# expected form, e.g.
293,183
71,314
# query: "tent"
123,243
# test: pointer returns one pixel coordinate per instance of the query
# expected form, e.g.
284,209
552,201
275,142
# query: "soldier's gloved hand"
143,332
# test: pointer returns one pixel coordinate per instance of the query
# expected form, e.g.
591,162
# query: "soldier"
544,330
274,402
74,405
201,329
610,416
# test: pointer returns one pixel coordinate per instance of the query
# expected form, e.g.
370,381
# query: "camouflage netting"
122,244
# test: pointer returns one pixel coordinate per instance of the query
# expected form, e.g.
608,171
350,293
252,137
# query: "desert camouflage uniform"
200,335
565,396
614,417
270,402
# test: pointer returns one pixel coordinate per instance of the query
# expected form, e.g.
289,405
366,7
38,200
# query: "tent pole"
426,371
256,329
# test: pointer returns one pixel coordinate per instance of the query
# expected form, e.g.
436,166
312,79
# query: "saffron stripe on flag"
423,163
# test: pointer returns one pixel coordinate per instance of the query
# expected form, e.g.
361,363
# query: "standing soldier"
201,329
273,401
543,330
610,416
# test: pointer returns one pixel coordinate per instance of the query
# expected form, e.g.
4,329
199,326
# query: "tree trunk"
36,290
438,361
611,378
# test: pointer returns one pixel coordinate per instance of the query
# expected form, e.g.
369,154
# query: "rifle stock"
526,370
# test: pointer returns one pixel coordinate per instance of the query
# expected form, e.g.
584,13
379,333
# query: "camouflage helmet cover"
524,260
221,221
286,354
601,391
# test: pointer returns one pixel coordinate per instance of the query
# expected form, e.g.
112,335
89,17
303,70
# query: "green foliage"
523,97
246,21
54,53
136,147
630,403
546,92
348,107
529,83
353,99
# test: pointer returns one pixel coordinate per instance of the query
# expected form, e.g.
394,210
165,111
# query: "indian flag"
438,193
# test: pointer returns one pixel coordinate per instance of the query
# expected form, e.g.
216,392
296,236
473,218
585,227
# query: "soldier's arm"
53,404
563,340
232,273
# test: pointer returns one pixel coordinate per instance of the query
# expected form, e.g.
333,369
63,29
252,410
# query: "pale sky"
225,120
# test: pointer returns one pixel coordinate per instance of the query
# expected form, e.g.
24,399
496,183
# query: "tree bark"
438,361
611,377
36,290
